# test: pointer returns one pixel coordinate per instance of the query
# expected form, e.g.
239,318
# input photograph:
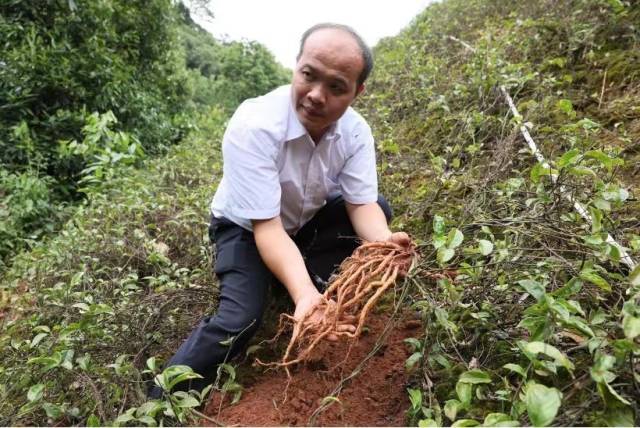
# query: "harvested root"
363,278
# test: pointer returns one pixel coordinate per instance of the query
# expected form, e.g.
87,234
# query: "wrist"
304,292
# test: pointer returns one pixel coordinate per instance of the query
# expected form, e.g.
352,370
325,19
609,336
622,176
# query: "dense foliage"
531,316
87,85
215,67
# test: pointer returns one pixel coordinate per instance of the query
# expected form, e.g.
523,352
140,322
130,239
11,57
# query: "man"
299,182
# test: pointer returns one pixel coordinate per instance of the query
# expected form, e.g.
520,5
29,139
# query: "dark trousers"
324,242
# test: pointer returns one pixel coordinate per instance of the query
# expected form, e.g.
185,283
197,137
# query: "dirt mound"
376,396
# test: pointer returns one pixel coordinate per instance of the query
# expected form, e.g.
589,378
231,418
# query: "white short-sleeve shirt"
272,167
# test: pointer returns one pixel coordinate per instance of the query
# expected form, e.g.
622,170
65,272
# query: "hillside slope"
536,320
529,315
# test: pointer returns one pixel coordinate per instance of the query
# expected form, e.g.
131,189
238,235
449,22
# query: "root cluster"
362,279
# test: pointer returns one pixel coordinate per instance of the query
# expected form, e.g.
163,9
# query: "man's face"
325,79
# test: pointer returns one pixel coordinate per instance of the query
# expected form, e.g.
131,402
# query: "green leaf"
427,423
534,288
535,348
542,403
569,158
53,411
631,326
454,238
596,219
148,421
152,364
499,419
451,408
602,204
415,397
486,247
37,339
183,399
594,278
438,225
35,392
634,277
465,423
539,171
444,254
475,376
93,421
566,107
411,362
604,159
516,368
582,171
416,345
464,390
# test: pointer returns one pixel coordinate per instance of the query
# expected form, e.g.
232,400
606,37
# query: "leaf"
542,403
486,247
451,408
631,326
183,399
616,395
93,421
35,392
438,225
475,376
568,158
416,345
594,278
534,288
596,219
603,158
634,277
411,362
535,348
566,106
415,397
539,171
427,423
465,423
516,368
464,390
581,171
53,411
152,364
445,254
455,238
37,339
499,419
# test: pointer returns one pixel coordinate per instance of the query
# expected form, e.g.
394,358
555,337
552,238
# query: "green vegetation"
530,316
86,86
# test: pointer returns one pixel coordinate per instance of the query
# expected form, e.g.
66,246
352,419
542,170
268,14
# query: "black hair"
367,56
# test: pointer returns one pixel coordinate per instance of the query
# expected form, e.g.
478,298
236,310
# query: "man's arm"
370,224
282,257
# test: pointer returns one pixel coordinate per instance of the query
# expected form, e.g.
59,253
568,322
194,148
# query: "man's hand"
310,305
400,238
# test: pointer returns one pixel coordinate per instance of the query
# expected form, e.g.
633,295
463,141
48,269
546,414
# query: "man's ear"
359,90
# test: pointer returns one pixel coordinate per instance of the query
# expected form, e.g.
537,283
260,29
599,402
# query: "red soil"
376,396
